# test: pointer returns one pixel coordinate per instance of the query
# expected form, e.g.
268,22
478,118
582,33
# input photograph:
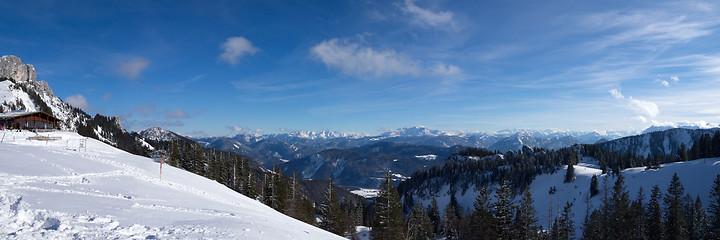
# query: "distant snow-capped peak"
325,134
687,125
416,131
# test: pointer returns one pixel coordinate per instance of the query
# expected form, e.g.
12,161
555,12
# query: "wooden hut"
28,120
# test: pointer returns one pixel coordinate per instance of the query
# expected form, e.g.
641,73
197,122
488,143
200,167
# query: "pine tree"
655,228
419,226
333,220
683,153
675,225
450,223
565,224
525,224
174,155
503,212
570,173
199,161
713,230
697,220
594,190
483,221
389,219
591,227
637,211
433,213
621,221
250,189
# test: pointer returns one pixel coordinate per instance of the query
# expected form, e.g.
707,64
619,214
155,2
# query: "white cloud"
243,130
235,48
616,94
425,17
675,78
78,101
641,118
645,109
175,113
646,29
107,96
353,59
132,68
445,70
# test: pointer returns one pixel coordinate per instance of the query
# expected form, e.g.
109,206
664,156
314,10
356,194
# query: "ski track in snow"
58,192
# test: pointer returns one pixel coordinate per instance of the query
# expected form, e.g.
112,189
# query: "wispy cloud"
352,59
244,130
235,48
148,115
132,67
647,29
357,60
644,109
78,101
179,86
427,18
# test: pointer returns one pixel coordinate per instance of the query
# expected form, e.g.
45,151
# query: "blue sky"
222,67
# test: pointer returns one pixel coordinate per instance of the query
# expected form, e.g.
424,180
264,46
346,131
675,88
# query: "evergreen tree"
637,211
654,229
482,219
683,153
697,220
450,223
675,225
389,219
433,213
565,224
333,220
713,230
594,186
621,219
570,173
199,161
503,212
250,189
174,155
525,224
419,226
592,227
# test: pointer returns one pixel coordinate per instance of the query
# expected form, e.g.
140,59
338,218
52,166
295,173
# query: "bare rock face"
11,67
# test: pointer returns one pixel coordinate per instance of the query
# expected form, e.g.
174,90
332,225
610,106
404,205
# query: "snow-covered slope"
52,190
696,176
663,142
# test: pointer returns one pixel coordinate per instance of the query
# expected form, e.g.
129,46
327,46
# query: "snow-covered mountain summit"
684,125
20,90
159,134
415,131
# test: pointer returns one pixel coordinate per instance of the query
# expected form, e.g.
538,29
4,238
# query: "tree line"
272,187
669,215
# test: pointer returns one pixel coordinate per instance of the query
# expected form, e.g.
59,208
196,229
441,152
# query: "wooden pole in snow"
161,162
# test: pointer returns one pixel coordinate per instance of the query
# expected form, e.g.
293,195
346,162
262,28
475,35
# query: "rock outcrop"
11,67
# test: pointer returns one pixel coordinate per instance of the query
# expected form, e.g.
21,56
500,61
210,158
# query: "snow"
429,157
696,176
362,233
366,192
58,192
